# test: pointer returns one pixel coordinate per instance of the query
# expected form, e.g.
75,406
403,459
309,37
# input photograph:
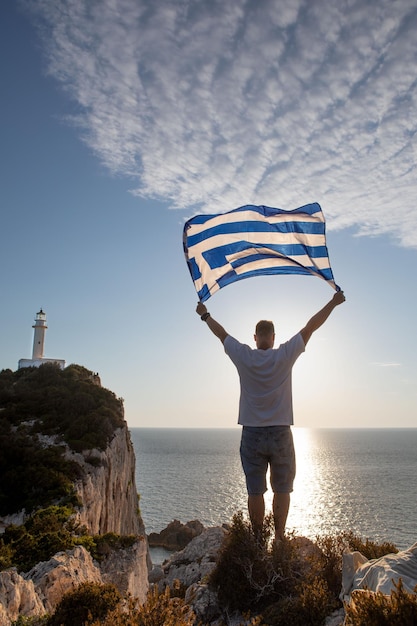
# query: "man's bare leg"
280,507
256,507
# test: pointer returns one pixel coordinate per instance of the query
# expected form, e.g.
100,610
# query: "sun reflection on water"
305,485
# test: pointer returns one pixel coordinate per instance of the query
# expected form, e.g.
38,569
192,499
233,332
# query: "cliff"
108,491
65,456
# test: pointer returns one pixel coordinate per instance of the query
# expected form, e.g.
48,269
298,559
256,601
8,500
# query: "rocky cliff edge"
109,503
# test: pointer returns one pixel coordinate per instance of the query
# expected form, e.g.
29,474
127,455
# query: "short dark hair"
264,327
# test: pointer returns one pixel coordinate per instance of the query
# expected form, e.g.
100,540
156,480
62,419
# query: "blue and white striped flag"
255,240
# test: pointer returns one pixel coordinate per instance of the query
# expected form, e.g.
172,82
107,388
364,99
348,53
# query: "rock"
127,568
41,589
155,575
195,561
63,572
203,601
17,597
17,519
337,618
305,548
176,535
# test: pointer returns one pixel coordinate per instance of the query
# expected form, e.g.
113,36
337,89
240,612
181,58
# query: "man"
265,410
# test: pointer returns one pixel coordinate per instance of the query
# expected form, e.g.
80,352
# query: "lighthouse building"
38,345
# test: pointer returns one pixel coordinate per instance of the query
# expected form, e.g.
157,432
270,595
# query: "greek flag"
255,240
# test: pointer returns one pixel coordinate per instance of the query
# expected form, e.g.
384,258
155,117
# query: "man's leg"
255,466
280,507
256,507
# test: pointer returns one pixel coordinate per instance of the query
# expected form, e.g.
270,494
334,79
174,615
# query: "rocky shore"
190,565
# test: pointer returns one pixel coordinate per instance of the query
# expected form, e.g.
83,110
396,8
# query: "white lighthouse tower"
38,345
39,335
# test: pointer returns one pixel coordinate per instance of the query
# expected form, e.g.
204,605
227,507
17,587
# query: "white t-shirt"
265,381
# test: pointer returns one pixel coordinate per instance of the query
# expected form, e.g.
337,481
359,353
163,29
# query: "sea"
362,480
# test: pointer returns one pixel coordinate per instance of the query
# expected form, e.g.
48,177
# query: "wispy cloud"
386,364
216,104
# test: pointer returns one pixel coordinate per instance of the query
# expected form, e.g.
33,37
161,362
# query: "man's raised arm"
319,318
216,328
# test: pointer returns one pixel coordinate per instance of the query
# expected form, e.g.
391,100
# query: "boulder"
176,535
63,572
17,597
196,561
40,590
203,601
127,568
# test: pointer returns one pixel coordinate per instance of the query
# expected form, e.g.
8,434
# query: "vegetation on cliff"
49,531
41,409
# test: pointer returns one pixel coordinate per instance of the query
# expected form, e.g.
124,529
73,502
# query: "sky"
120,119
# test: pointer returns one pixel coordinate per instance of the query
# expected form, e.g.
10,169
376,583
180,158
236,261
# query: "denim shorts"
263,446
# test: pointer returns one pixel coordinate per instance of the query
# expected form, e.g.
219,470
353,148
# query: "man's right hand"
339,297
201,309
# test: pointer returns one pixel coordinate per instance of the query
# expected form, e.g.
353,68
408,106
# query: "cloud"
211,104
386,364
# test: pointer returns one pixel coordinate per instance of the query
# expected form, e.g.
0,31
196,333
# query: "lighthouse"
38,345
39,335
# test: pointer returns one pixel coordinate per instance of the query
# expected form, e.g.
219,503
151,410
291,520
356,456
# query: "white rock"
63,572
203,601
196,561
128,570
17,597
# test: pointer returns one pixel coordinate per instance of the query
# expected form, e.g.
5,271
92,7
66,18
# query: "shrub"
248,574
376,609
6,555
102,545
287,584
369,549
31,621
46,532
159,609
88,602
49,531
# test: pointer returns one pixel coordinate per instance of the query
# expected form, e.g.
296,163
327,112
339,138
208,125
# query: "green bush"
44,534
86,603
102,545
53,530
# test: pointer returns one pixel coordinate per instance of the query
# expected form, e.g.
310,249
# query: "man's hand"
201,309
319,318
216,328
338,297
